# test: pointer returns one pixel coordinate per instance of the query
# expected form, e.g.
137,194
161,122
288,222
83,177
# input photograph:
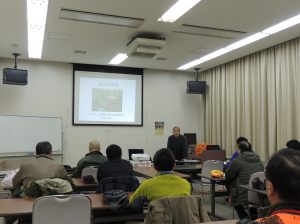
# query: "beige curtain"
256,96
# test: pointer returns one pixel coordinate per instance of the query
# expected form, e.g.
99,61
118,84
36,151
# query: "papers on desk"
188,161
7,180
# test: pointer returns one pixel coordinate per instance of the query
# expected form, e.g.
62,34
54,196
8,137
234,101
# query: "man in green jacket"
165,183
93,158
239,172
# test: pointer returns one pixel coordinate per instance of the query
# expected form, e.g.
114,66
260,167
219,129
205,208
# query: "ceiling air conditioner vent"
145,47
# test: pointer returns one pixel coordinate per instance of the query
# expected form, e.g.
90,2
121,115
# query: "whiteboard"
20,134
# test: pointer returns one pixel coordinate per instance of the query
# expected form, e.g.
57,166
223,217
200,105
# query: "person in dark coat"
115,166
177,144
283,184
239,172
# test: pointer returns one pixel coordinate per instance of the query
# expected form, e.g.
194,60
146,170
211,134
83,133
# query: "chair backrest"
210,165
213,155
5,194
90,170
253,197
177,210
126,183
60,209
134,151
191,138
213,147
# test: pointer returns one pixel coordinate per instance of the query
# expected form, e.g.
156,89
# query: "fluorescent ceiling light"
283,25
208,31
70,14
248,40
118,59
190,64
177,10
36,22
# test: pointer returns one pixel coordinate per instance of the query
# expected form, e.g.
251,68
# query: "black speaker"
14,76
196,87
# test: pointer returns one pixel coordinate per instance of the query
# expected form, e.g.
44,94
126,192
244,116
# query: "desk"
23,206
192,161
191,169
149,172
213,193
222,222
80,185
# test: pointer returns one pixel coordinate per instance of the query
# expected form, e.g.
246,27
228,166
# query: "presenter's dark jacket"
41,167
114,168
94,158
178,146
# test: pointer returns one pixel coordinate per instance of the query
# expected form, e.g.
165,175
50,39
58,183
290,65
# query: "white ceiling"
103,42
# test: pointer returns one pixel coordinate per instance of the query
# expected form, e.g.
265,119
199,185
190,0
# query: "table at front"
23,206
149,172
190,169
78,182
213,193
80,185
232,221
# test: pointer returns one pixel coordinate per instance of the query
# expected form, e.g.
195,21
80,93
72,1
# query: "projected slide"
107,98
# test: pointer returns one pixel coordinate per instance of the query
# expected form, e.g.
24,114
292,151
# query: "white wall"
49,93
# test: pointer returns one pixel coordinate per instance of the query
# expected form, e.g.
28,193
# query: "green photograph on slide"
107,100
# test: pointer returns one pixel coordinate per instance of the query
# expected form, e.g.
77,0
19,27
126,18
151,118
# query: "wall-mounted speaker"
196,87
15,76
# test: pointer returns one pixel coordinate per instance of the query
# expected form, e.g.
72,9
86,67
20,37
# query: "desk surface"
212,179
23,206
149,171
222,222
245,186
79,184
188,168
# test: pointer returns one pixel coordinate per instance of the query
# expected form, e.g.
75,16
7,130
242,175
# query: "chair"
254,199
208,166
90,170
60,209
134,151
5,194
177,210
126,183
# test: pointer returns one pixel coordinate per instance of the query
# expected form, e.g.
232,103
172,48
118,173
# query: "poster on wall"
159,128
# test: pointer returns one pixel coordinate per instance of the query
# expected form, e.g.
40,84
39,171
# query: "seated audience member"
41,168
115,166
293,144
236,153
238,173
93,158
283,184
165,183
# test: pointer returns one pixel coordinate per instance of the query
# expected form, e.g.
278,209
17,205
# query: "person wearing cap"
93,158
239,172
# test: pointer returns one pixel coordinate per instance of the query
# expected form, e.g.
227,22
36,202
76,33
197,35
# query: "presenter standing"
177,144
